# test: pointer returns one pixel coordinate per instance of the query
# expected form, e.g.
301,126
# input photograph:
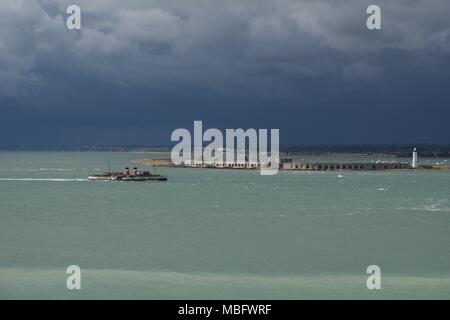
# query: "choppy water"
219,233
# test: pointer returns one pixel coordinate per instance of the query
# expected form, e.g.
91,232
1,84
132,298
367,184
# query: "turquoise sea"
219,233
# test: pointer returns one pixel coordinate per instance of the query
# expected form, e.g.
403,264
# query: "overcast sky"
138,69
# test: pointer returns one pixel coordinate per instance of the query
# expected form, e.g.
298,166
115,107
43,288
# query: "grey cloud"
300,56
217,39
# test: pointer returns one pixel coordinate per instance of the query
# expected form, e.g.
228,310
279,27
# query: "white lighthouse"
414,158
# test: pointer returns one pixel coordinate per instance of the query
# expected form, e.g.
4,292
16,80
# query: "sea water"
210,233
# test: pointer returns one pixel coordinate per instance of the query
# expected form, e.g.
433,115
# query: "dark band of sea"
230,234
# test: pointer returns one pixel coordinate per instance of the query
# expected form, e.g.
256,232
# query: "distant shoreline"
399,151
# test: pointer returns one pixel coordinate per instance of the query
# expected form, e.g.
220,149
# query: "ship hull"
143,178
130,178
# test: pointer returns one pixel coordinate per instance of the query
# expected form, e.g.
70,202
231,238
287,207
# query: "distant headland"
393,150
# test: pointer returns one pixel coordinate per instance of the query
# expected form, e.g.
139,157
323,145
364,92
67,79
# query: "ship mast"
109,169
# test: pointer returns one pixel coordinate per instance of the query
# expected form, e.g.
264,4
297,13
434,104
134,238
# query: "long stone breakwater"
288,165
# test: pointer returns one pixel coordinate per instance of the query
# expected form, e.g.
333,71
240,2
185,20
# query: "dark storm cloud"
139,69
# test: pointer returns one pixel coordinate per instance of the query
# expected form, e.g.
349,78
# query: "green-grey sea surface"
230,234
